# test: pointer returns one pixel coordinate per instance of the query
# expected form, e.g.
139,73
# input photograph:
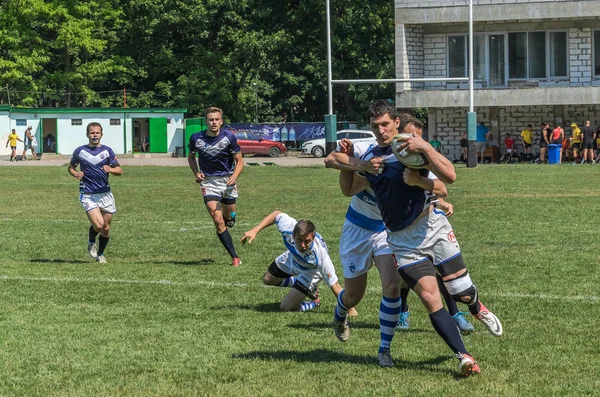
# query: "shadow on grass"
332,356
57,260
201,262
354,324
261,307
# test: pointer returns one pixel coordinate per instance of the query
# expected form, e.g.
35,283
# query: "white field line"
198,226
257,284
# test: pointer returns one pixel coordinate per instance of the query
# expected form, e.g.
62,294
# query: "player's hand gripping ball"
407,157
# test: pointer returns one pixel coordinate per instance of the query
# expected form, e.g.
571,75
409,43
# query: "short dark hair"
93,124
303,227
381,107
408,119
213,109
529,125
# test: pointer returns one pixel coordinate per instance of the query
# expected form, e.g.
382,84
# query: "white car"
316,147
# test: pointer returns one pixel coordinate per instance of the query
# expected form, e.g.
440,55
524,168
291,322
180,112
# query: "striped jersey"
317,258
91,160
215,153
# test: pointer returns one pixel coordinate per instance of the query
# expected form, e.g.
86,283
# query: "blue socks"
341,311
445,326
389,314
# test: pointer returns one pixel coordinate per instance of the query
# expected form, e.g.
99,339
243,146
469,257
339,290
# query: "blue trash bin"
554,153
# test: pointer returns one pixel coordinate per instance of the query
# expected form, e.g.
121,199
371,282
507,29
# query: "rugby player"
302,266
96,162
419,235
217,168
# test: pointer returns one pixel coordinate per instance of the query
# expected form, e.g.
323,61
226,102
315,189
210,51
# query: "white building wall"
455,3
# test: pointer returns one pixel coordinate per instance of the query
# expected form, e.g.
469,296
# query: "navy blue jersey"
90,161
400,204
215,153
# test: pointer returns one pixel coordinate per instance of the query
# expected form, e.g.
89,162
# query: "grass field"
168,316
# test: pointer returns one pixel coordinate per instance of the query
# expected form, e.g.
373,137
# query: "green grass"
168,316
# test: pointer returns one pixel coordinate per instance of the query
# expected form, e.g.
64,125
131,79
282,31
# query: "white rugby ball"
407,157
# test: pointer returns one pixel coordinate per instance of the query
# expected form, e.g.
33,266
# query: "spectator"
509,145
575,141
146,144
464,147
545,136
437,145
527,140
558,135
588,136
30,143
597,142
566,149
482,131
12,139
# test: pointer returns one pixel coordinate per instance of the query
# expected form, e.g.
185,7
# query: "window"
458,56
528,57
596,53
253,137
76,122
457,60
341,135
558,54
115,121
517,55
21,123
536,44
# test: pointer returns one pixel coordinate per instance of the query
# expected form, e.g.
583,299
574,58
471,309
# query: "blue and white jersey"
363,210
316,258
400,204
90,161
215,153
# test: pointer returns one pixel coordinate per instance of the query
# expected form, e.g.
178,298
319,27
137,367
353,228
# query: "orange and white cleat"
467,365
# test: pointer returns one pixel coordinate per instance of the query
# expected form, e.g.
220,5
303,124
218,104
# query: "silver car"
316,147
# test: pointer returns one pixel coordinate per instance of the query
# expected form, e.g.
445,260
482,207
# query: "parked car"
255,144
316,147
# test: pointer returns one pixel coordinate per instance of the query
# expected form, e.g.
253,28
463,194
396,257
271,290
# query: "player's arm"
239,166
72,169
115,170
269,220
438,164
194,166
344,162
351,183
436,186
446,207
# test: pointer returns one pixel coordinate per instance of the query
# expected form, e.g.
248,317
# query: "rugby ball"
407,157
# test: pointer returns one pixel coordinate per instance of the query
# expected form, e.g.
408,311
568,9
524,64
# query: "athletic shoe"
582,162
384,357
490,321
403,322
467,365
236,262
100,259
462,323
93,251
317,299
341,330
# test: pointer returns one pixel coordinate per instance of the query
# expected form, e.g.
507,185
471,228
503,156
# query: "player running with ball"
419,235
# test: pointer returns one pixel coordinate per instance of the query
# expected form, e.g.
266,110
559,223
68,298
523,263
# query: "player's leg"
295,301
356,250
24,154
228,202
461,322
214,209
389,308
404,322
96,219
214,191
104,237
280,272
421,277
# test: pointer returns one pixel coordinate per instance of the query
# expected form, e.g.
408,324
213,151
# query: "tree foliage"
236,54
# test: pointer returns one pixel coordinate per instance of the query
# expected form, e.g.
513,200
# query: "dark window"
252,137
76,122
341,135
115,121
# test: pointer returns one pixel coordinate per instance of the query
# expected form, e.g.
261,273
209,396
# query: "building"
62,130
534,61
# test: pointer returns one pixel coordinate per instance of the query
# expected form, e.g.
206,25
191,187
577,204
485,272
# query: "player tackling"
96,162
419,235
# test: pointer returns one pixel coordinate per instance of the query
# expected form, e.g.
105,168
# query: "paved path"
167,161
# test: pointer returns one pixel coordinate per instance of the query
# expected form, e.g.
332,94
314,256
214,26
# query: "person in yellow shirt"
527,140
12,139
575,141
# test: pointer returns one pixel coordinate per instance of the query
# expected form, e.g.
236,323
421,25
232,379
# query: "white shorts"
358,246
429,237
216,187
104,201
308,278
